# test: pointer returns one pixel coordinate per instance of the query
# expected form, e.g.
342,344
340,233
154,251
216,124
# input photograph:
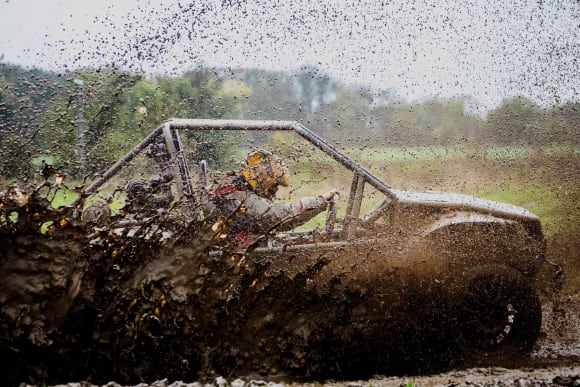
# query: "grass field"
63,197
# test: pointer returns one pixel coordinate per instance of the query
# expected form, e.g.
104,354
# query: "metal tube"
344,160
80,121
200,124
270,125
180,123
119,164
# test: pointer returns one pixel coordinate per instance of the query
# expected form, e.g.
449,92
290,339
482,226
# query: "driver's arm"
266,214
287,216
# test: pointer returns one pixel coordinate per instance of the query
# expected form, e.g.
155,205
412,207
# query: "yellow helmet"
263,171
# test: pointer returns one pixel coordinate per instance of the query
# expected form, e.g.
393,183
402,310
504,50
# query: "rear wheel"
498,313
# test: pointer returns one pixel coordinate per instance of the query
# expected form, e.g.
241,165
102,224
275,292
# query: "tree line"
41,113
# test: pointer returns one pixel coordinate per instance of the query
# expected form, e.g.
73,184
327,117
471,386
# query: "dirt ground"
477,377
554,362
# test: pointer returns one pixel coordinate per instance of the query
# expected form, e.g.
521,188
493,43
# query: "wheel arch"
465,239
462,218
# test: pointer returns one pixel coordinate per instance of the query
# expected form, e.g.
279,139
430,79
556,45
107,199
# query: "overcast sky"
484,49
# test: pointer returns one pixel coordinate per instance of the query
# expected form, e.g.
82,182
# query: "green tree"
213,99
8,101
24,94
567,127
450,122
313,87
101,98
347,118
516,121
408,126
121,108
431,122
272,96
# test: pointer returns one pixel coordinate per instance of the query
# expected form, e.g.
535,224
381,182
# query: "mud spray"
99,302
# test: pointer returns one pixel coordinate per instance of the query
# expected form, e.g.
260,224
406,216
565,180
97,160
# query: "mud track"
81,302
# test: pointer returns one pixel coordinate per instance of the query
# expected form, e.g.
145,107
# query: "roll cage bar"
170,131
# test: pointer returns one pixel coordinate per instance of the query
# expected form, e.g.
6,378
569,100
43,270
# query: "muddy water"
84,303
560,339
554,362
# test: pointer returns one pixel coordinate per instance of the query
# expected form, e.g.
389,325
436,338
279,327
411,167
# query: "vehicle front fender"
461,240
463,217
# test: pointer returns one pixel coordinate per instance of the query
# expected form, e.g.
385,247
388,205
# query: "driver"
245,208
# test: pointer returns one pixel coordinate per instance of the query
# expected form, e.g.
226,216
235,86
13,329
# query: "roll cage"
186,191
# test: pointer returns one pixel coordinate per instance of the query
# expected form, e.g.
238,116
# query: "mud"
478,377
159,301
555,361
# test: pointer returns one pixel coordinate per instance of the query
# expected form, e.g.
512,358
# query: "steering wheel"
331,213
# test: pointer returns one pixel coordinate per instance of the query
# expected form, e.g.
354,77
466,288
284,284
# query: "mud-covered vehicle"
133,280
437,273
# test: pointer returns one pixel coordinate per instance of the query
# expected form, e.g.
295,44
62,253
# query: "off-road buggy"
388,281
457,266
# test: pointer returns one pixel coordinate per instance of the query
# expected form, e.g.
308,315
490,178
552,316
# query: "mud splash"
155,300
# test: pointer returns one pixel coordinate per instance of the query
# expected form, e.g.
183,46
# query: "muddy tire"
498,314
